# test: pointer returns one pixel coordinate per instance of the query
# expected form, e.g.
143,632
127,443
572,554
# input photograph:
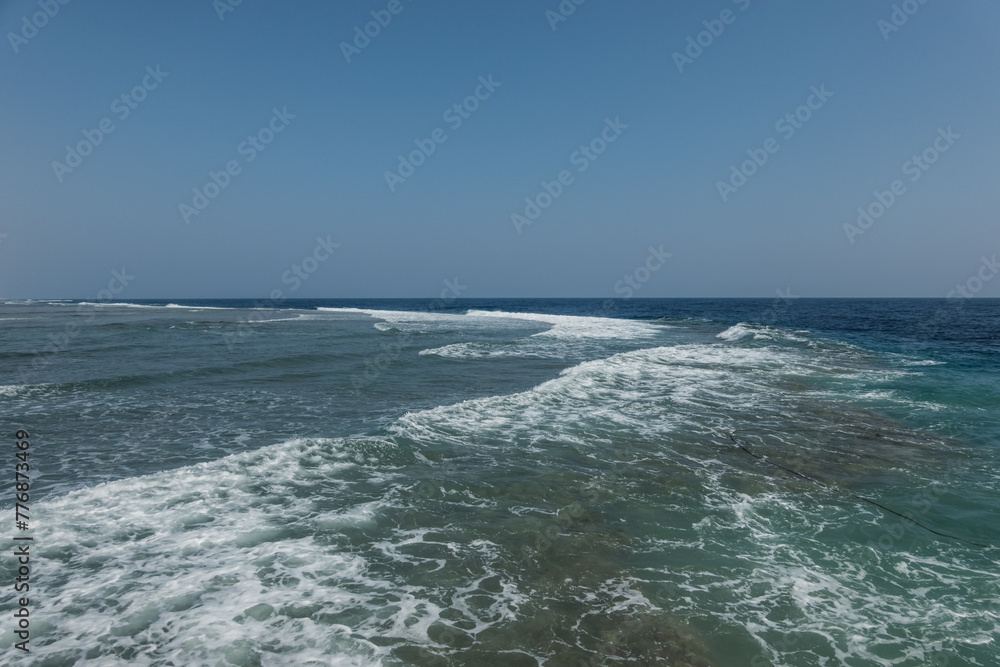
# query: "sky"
724,148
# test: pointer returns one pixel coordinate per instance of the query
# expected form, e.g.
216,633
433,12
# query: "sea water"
506,482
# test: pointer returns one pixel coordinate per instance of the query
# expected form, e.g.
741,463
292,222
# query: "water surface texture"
508,482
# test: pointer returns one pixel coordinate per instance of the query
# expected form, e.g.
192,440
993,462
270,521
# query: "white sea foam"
248,550
566,335
801,595
845,598
489,351
736,332
561,326
653,390
251,550
170,306
299,317
560,336
574,326
745,330
176,305
395,315
107,304
411,321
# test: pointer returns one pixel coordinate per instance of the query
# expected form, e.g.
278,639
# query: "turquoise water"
506,482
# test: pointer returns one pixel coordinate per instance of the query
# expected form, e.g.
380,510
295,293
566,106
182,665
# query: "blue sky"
553,91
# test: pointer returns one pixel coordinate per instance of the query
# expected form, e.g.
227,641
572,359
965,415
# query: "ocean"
505,482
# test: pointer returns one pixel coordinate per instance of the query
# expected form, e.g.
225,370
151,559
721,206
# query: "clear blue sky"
656,184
